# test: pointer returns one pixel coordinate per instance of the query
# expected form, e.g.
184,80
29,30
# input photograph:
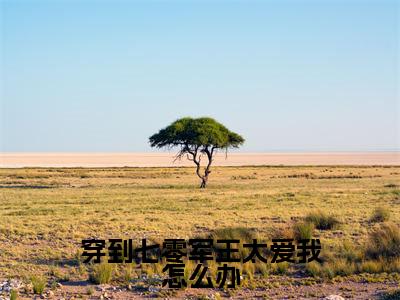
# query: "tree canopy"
202,132
196,137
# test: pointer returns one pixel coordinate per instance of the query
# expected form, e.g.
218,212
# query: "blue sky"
287,75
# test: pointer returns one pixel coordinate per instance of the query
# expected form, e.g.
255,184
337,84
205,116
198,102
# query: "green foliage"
380,214
38,284
196,137
322,220
196,132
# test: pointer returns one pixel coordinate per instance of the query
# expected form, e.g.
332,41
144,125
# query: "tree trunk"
203,182
196,160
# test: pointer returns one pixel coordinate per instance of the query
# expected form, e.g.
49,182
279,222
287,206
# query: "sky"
102,76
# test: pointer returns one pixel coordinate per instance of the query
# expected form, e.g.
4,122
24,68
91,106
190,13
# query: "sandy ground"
346,289
16,160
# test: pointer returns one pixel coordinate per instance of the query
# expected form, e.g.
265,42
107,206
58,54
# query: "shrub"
322,220
101,273
384,242
380,214
303,230
38,284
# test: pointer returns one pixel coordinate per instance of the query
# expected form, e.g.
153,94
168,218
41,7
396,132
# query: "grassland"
45,213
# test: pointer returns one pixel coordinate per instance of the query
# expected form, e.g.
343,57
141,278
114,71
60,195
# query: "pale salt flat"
164,159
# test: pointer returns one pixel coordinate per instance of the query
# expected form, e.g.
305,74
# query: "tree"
197,138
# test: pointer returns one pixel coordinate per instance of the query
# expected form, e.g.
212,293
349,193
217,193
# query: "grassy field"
45,213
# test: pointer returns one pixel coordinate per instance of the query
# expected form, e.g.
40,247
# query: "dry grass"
38,284
101,273
303,230
384,242
380,214
44,213
322,220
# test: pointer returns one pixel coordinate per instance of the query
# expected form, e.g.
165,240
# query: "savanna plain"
353,210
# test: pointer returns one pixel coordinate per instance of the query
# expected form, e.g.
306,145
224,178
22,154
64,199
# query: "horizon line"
232,151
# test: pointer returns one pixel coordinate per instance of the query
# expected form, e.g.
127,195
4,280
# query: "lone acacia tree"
196,138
